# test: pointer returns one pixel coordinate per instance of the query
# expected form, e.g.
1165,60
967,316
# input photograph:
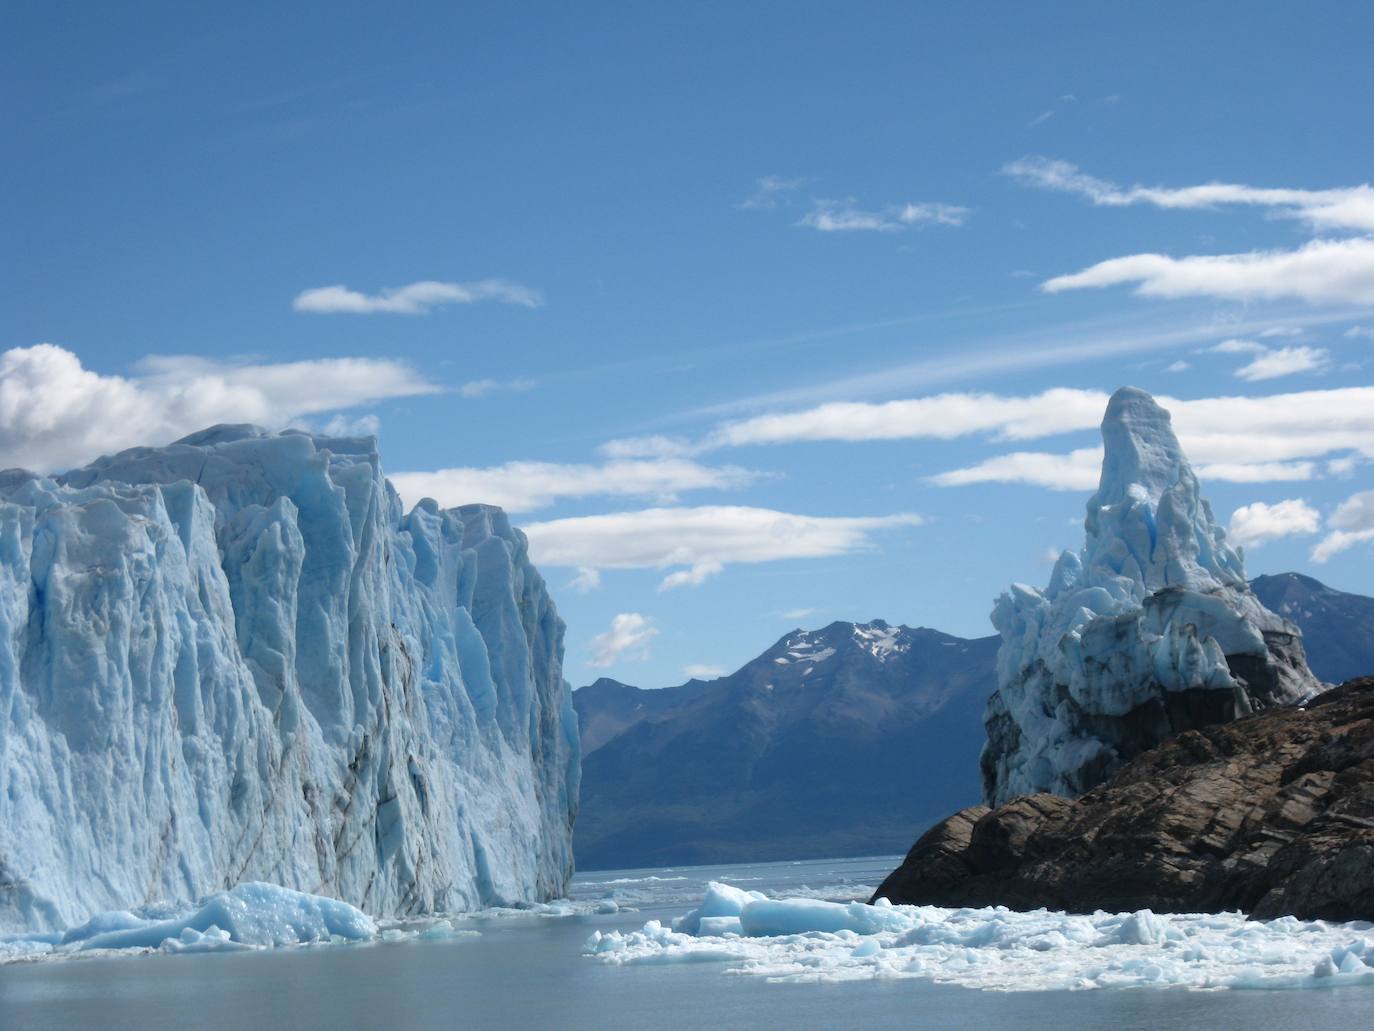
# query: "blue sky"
572,260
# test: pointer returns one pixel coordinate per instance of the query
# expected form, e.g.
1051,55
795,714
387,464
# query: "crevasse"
236,659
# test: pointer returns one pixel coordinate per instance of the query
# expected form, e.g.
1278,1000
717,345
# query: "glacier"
806,940
236,659
1148,630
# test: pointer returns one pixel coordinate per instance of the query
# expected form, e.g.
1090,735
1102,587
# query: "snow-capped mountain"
835,741
1337,627
1149,630
235,658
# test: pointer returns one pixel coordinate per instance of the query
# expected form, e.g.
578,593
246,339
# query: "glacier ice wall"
235,659
1149,630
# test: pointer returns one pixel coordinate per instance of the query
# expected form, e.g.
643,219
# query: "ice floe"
810,940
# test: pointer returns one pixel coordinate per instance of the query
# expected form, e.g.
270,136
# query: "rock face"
1149,630
235,659
1272,814
832,742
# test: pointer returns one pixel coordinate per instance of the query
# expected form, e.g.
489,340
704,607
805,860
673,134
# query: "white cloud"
704,671
1344,208
1240,439
649,447
1077,471
415,298
628,638
1351,523
586,581
832,216
1179,366
702,538
799,613
55,413
697,575
1282,331
343,426
1285,361
1258,523
1234,346
525,486
482,387
1322,271
1359,332
939,416
768,191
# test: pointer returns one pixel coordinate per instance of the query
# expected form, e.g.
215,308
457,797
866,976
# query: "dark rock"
1272,814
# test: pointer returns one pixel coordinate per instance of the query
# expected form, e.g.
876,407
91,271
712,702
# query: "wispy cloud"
1284,361
704,671
628,638
1320,272
482,387
1350,208
1359,333
526,486
835,216
695,576
769,191
701,540
55,413
414,299
1259,523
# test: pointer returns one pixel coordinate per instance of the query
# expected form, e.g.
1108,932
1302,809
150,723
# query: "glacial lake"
531,970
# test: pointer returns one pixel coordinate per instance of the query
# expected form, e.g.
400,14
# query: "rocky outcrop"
1147,631
1272,814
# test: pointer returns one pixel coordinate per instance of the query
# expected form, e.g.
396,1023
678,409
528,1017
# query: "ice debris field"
809,940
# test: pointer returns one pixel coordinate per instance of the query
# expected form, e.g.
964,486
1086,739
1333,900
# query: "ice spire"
1149,630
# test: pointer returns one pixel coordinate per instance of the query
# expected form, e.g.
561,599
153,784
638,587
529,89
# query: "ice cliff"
235,659
1147,631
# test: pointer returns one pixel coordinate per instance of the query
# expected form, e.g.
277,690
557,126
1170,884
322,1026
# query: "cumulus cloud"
1350,208
526,486
702,540
1258,523
1320,272
704,671
833,216
1351,523
415,298
628,638
55,413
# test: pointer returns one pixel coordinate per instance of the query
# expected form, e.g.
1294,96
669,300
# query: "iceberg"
818,941
235,659
1149,630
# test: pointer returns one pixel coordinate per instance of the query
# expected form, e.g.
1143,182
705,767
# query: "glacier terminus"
236,659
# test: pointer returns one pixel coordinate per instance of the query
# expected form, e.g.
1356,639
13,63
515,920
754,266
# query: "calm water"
528,971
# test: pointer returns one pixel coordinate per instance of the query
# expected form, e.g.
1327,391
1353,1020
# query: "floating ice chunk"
809,940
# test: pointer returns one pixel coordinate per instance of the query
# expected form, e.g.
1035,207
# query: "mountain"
236,659
1149,630
832,742
1337,628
